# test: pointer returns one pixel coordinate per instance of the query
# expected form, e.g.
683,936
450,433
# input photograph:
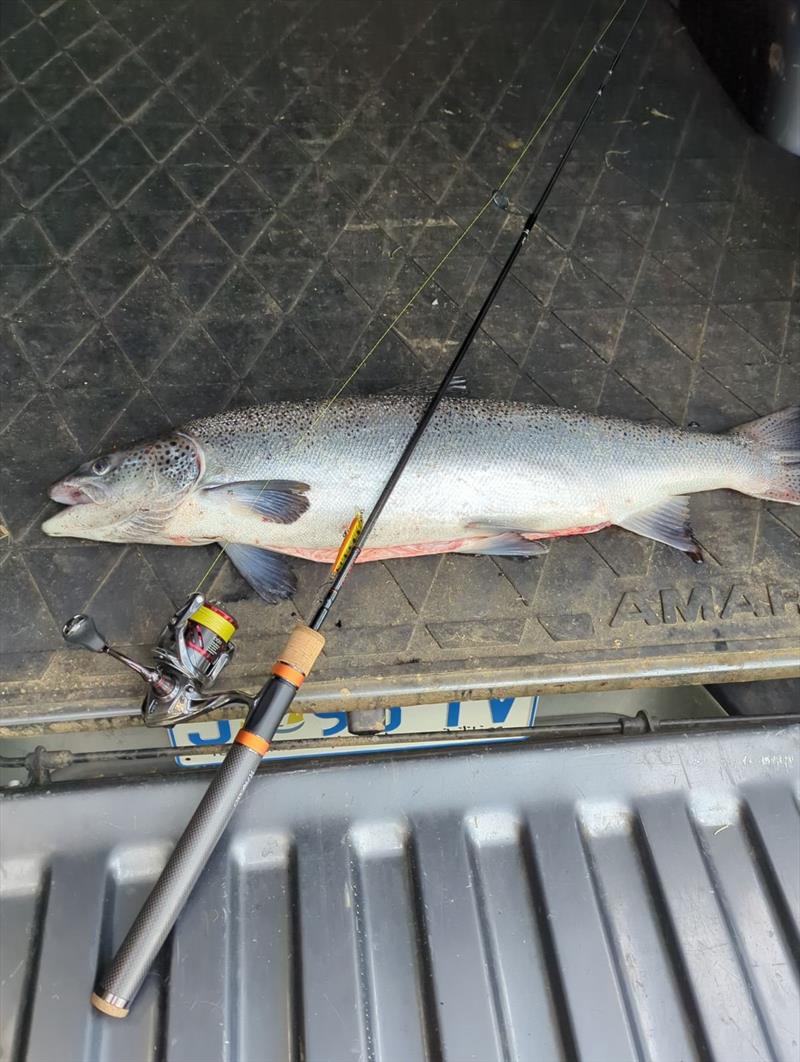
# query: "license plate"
321,729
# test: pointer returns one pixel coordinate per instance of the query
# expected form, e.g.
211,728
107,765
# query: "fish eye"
101,466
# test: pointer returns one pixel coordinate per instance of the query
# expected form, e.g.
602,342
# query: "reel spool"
189,655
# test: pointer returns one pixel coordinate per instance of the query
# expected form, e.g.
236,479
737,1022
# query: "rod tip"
113,1010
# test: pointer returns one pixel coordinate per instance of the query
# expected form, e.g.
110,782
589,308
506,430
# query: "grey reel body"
192,650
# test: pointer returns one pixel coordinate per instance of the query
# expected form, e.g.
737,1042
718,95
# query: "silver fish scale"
514,466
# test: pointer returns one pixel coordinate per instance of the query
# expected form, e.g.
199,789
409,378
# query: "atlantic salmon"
285,480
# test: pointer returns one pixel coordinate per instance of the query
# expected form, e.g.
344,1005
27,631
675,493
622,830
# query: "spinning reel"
191,651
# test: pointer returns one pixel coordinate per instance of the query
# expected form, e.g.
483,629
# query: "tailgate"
635,898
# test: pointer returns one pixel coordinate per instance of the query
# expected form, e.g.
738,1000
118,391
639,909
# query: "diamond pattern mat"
207,204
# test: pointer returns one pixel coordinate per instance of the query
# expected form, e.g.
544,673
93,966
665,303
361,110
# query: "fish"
284,480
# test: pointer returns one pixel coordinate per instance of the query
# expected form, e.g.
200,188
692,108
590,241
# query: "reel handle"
82,631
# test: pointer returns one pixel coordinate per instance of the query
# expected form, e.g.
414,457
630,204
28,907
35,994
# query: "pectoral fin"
267,572
281,501
666,522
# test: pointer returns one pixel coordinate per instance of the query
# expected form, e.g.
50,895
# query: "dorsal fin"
456,388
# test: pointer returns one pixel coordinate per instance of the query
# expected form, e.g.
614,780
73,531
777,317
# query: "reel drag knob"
81,631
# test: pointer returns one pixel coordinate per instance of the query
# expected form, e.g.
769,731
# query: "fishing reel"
191,652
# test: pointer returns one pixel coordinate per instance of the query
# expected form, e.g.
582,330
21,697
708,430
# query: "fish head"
127,495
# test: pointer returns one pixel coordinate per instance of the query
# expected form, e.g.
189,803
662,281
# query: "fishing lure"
351,537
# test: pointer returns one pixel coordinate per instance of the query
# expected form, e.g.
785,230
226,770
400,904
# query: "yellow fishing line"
329,402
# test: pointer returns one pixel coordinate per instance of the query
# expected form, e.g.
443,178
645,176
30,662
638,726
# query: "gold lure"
351,536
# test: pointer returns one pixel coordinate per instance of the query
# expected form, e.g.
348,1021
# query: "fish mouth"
82,514
67,492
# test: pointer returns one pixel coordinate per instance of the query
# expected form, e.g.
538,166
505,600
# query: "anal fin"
268,573
667,522
503,544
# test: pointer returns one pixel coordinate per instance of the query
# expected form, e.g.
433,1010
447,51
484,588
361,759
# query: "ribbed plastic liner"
632,899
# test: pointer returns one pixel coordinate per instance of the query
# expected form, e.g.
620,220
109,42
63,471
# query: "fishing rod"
185,647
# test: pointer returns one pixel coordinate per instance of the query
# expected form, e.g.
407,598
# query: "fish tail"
777,438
